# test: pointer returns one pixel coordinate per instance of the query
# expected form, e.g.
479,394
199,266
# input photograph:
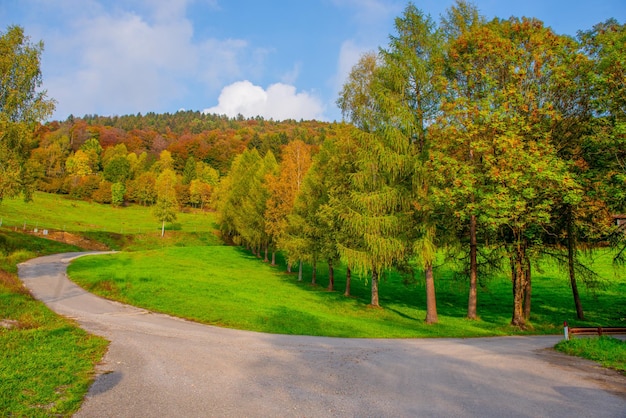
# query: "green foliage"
22,106
166,205
189,172
117,170
117,194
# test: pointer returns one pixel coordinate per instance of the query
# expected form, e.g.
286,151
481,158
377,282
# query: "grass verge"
46,361
609,352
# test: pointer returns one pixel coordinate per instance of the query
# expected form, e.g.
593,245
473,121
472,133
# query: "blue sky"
278,59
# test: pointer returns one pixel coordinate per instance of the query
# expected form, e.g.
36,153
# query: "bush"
83,187
103,194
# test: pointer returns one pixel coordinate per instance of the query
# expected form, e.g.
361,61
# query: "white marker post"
566,331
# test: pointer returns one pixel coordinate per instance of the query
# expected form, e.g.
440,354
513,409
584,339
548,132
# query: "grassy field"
50,211
227,286
46,361
128,228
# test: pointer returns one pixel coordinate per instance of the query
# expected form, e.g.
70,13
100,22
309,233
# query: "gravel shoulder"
162,366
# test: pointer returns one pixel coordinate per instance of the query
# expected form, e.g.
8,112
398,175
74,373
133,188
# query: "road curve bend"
160,366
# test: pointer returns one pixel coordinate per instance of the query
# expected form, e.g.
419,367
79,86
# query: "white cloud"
119,61
279,102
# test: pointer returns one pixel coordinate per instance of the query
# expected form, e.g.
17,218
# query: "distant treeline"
85,157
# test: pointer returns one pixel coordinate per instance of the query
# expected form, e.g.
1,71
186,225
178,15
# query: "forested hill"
210,138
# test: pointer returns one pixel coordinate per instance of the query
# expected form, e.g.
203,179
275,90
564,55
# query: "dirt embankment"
72,239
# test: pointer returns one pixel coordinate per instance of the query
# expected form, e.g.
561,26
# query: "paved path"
159,366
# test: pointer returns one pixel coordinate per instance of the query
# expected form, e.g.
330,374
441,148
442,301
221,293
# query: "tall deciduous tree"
495,142
22,106
166,206
356,99
605,44
284,187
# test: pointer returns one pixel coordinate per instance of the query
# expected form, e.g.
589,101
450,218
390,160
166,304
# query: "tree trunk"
314,272
518,286
300,271
473,273
348,279
331,276
266,259
527,289
375,302
571,261
288,267
431,299
162,229
273,258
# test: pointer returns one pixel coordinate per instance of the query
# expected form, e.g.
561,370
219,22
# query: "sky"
279,59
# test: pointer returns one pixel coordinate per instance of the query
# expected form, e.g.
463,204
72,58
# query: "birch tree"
22,106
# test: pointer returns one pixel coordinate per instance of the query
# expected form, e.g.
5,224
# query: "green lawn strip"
46,361
608,351
226,286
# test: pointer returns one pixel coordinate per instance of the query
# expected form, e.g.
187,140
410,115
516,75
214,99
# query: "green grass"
226,286
189,275
58,212
608,351
128,228
46,361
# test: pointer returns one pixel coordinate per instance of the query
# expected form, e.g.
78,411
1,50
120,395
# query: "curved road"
159,366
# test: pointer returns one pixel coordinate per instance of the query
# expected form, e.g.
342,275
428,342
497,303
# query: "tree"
22,106
605,45
305,232
189,172
410,102
165,162
117,194
93,150
199,193
143,189
389,209
356,100
322,201
284,188
78,164
117,170
495,146
166,204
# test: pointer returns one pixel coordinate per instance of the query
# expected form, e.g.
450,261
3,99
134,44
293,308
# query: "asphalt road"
159,366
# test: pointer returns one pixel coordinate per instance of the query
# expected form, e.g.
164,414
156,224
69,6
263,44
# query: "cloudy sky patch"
278,59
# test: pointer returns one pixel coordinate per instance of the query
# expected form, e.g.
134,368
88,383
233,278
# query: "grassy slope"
46,362
58,212
226,286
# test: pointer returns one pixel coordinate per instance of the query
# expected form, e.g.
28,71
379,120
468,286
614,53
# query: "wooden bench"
600,331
